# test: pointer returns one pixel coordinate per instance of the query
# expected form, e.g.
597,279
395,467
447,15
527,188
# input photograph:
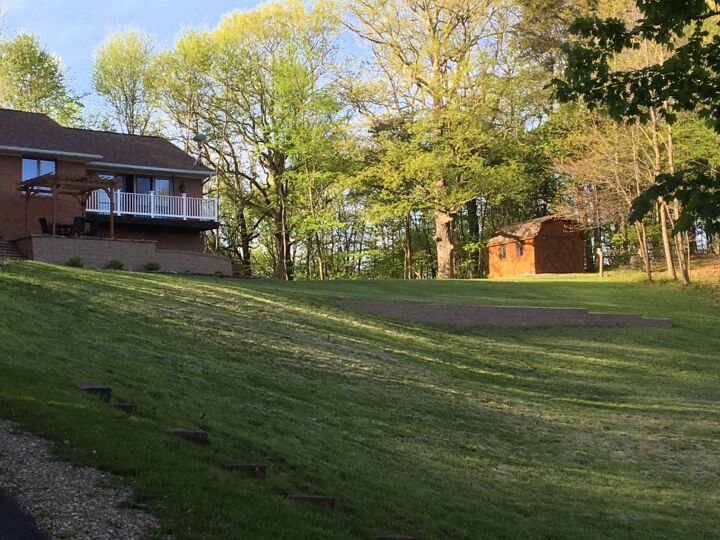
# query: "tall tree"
543,27
273,72
432,50
31,79
686,78
126,75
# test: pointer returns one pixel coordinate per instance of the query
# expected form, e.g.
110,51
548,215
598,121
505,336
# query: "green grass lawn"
560,433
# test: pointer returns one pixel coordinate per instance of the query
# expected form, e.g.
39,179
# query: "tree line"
393,138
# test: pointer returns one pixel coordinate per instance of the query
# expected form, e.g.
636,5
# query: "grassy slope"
485,433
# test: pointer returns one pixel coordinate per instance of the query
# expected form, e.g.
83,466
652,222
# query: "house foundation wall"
133,254
166,237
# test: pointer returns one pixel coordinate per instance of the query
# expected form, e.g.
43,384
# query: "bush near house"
151,266
114,264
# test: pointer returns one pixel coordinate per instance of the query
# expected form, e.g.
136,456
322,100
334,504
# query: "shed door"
557,255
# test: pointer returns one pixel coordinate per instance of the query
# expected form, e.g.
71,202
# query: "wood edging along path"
250,470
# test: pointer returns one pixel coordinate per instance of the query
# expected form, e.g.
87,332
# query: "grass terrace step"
321,501
190,435
103,392
251,470
128,408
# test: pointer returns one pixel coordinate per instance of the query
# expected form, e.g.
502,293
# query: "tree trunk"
681,249
662,207
644,251
597,247
679,238
284,265
663,210
444,245
407,267
589,254
361,246
246,256
321,257
682,263
284,268
600,258
474,227
483,262
308,259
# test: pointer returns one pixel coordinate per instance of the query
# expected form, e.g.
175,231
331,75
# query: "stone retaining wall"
474,316
133,254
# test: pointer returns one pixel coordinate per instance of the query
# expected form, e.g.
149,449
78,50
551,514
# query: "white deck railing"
154,206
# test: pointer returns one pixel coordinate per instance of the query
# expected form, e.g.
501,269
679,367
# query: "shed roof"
524,230
25,132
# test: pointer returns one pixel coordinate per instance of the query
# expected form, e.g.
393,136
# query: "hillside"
575,432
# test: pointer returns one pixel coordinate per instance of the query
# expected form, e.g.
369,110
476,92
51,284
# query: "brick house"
157,196
546,245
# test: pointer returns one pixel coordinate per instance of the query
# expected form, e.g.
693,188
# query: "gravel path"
66,502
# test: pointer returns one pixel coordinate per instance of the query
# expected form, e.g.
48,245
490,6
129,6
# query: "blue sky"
73,29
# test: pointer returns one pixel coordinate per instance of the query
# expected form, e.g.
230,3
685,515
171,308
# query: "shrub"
75,262
114,264
151,266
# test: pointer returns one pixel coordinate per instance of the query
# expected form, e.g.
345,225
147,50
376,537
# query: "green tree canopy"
126,75
31,79
685,78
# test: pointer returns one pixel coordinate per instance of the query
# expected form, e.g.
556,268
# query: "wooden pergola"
79,187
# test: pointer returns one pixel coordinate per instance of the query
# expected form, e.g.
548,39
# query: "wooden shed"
546,245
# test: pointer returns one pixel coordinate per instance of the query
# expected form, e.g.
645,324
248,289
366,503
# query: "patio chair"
44,227
78,227
92,228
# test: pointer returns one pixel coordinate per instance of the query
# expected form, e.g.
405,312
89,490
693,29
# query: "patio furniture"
62,230
44,227
92,228
79,187
78,226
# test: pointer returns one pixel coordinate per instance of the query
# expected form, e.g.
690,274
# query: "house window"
143,184
519,249
163,186
501,252
32,168
140,184
125,185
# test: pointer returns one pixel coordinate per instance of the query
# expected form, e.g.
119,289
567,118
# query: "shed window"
501,252
519,249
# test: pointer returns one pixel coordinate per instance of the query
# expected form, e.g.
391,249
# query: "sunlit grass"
573,432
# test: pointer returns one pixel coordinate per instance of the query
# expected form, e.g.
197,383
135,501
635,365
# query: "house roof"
37,134
524,230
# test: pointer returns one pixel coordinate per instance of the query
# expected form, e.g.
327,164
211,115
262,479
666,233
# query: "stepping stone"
103,392
316,500
393,536
251,470
197,437
128,408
